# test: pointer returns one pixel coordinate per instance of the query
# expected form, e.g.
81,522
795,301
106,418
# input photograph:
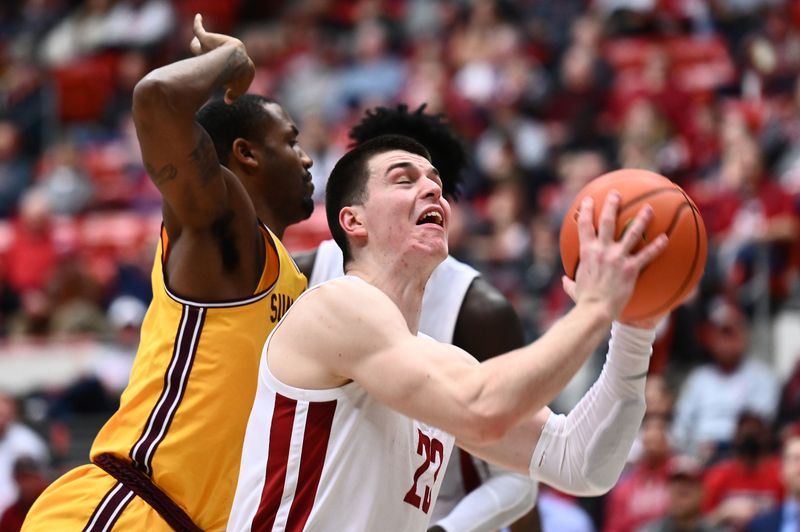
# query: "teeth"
433,215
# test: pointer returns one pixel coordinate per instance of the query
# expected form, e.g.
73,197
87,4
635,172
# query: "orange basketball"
668,279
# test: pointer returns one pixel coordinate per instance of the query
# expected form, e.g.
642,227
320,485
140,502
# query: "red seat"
84,87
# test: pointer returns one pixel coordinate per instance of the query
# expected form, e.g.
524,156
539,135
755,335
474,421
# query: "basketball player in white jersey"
355,415
459,307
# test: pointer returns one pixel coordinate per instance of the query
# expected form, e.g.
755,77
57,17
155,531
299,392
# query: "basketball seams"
682,288
673,223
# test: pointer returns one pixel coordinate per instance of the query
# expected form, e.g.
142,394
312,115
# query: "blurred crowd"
546,94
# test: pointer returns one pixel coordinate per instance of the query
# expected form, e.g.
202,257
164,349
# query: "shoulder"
347,303
487,323
758,368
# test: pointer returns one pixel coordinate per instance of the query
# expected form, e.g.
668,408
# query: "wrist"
597,311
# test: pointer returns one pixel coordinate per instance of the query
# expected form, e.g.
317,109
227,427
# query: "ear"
351,218
243,152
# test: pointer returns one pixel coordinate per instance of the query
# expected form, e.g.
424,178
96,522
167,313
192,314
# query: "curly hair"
431,130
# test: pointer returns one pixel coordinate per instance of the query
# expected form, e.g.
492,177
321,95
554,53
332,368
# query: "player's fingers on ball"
608,217
633,235
651,251
586,232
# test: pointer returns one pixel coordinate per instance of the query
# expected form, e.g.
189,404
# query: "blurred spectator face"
132,68
34,211
658,396
742,164
727,335
587,30
577,70
370,42
578,168
30,479
685,487
752,436
644,122
791,465
686,494
9,140
655,443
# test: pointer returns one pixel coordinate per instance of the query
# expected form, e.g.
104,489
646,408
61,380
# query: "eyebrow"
406,164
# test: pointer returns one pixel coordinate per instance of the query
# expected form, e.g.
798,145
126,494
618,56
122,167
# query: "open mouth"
431,217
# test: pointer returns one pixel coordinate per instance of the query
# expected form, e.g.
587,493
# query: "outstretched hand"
205,41
608,268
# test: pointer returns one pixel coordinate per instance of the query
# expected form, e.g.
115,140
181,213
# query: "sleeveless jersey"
183,416
443,296
335,459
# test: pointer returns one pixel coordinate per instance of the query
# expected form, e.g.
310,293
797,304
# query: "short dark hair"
347,184
447,151
244,118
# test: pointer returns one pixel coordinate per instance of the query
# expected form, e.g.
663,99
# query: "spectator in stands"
81,32
139,24
16,441
376,74
65,180
738,488
715,394
31,482
32,256
751,218
647,141
685,514
642,495
785,516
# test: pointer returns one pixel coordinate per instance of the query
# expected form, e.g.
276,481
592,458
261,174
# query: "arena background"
546,94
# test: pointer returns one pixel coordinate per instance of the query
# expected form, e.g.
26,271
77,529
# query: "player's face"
285,169
406,212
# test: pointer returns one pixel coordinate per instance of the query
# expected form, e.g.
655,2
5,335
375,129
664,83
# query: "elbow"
153,96
483,426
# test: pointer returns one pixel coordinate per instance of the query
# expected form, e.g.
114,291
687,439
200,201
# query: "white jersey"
335,459
441,304
443,296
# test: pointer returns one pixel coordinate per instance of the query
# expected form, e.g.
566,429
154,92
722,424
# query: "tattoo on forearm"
168,172
205,160
233,62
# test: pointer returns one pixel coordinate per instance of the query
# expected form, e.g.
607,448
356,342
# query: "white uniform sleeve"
584,452
497,502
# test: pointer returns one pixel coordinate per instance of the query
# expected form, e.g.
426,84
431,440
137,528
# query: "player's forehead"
280,121
385,162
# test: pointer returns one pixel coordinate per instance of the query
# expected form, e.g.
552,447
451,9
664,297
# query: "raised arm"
216,250
178,154
440,384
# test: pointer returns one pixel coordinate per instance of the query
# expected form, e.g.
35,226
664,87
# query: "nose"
306,161
430,188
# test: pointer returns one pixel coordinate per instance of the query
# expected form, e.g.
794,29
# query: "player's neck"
402,281
271,221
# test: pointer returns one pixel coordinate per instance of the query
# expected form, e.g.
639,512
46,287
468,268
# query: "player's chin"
433,248
307,207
